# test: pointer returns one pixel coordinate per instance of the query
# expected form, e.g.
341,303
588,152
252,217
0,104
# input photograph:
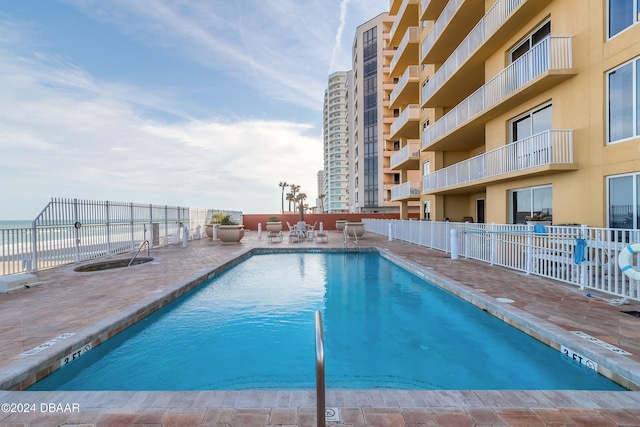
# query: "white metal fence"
580,255
72,230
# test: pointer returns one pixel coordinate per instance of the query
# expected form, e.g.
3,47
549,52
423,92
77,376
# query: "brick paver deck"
92,304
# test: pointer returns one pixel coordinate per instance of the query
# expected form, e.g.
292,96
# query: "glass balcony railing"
406,189
411,150
552,53
552,147
412,73
411,36
398,20
412,112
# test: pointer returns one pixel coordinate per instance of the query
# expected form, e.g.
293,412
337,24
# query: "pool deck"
90,305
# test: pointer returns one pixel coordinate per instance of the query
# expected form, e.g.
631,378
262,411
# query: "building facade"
527,109
335,192
370,149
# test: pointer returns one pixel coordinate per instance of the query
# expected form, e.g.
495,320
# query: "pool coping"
20,375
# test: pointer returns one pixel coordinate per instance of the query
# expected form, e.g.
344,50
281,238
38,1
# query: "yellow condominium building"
525,109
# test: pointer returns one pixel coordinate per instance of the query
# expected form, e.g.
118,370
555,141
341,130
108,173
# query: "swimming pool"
252,327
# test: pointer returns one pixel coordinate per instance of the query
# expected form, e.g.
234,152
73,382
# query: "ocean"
12,224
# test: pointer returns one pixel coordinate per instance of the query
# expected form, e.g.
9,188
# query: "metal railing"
441,23
580,255
320,385
545,148
72,230
552,53
495,17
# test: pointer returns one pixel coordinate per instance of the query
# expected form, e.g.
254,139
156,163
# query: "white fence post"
454,243
390,232
492,253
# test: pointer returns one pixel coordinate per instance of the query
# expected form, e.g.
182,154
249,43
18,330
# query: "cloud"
65,133
338,44
272,46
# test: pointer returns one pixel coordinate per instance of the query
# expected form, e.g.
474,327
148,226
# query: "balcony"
543,153
547,64
406,16
407,123
407,52
408,158
406,90
459,73
409,190
394,6
431,9
455,21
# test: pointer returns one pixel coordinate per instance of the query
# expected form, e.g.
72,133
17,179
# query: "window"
622,15
533,39
525,202
623,102
531,123
426,167
624,201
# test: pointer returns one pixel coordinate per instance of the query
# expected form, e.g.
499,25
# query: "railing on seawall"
72,230
580,255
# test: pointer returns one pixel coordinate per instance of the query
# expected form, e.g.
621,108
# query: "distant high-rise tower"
336,146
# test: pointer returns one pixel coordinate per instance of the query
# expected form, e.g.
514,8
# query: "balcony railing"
411,150
411,112
545,148
398,20
411,36
488,25
406,189
553,53
442,22
412,73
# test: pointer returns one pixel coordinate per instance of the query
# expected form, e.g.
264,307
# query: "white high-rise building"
336,143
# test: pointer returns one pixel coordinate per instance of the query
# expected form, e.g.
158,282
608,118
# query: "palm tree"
290,198
299,199
283,185
321,197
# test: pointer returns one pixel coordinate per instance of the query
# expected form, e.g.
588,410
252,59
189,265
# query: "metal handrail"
320,389
146,242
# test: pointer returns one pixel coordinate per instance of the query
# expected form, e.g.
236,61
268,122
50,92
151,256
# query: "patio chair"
311,230
294,234
321,236
275,237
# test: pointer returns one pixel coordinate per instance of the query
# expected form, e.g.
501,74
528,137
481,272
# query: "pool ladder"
320,388
345,232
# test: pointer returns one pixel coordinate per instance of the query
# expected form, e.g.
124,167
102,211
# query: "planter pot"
276,227
357,227
230,233
209,231
340,224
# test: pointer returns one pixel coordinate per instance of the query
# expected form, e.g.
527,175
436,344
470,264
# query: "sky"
199,103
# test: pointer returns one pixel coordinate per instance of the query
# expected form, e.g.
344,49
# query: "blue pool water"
252,327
